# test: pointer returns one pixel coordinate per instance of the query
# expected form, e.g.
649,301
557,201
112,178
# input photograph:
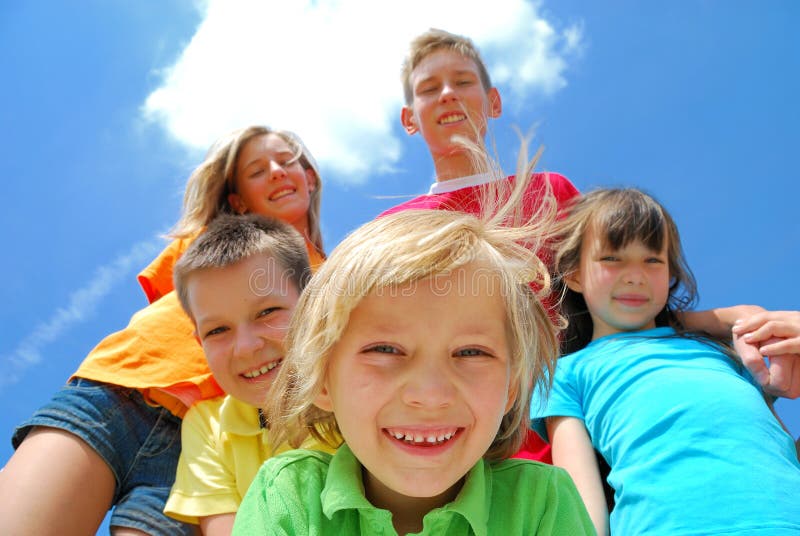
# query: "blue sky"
107,108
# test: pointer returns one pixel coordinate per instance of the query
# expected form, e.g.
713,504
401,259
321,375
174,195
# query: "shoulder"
420,202
295,466
203,419
513,479
523,470
562,187
203,408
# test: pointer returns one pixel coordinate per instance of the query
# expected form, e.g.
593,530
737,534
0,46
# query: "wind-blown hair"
431,41
212,181
410,246
230,239
618,216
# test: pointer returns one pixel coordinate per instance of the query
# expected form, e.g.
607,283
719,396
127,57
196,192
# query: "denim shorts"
139,442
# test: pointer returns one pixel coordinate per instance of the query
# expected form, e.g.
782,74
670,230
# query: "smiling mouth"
423,438
452,118
631,300
281,193
261,371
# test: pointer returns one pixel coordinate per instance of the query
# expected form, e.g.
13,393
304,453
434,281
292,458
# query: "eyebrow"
260,158
459,72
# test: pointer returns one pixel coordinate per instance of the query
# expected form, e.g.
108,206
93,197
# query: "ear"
311,180
236,203
573,281
408,120
495,104
323,400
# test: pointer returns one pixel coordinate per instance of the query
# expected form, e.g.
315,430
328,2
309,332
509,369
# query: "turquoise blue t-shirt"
309,493
692,445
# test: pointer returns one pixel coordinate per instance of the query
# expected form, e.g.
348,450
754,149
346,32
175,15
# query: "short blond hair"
406,247
213,180
429,42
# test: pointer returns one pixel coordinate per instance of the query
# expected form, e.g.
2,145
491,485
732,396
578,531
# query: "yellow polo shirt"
223,447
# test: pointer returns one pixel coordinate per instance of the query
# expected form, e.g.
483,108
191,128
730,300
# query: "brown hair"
229,239
619,216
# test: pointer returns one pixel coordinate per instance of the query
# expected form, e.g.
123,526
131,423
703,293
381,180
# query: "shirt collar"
344,489
443,187
237,417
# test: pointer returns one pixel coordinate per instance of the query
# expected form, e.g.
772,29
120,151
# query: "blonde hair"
212,181
431,41
618,216
410,246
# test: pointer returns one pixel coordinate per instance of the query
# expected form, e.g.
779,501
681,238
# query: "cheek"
490,392
215,356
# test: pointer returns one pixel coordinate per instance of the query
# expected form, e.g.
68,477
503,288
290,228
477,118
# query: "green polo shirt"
303,492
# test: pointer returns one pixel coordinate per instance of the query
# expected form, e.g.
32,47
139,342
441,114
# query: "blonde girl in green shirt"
418,342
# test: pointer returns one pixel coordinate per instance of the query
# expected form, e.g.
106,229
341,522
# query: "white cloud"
330,69
81,304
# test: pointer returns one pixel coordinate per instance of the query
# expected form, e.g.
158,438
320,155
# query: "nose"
448,92
633,276
246,343
429,383
276,170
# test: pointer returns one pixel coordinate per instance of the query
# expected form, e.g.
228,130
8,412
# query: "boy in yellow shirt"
238,282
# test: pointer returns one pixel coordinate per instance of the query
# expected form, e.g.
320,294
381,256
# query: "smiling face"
419,383
241,313
624,288
270,181
448,100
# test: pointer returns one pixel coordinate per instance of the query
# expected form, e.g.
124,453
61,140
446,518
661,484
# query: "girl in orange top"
114,430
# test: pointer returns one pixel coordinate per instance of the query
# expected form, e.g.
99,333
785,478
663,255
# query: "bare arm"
218,525
572,450
717,322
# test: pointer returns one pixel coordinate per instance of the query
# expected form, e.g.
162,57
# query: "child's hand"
775,334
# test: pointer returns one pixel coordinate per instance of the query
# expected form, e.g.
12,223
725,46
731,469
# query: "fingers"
767,324
775,334
777,346
784,376
752,359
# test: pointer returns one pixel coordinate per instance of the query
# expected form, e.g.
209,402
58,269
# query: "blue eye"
267,311
215,331
383,349
470,352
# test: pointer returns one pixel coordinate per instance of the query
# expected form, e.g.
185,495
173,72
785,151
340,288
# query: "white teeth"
263,370
451,119
411,437
281,193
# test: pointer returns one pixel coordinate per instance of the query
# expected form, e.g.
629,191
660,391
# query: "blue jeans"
139,442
